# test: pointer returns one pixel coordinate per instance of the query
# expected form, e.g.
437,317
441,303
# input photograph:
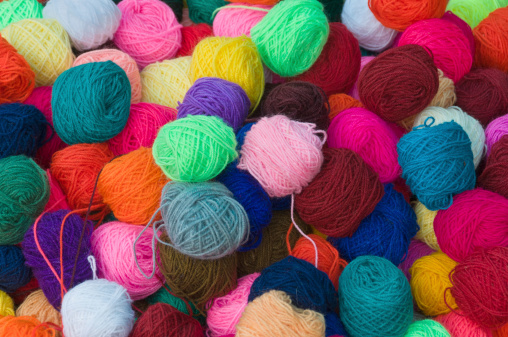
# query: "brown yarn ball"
256,114
38,306
495,175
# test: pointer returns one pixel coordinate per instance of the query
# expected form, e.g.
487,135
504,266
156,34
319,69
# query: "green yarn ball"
291,36
474,11
24,193
202,10
333,9
164,296
426,328
194,148
16,10
91,103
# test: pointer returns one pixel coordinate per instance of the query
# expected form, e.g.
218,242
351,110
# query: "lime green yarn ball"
24,192
194,148
426,328
474,11
291,36
163,295
16,10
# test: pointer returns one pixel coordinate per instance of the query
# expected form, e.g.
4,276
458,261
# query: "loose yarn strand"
293,222
153,245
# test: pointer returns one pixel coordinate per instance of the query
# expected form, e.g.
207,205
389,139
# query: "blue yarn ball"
22,130
13,272
437,163
308,287
386,232
91,103
240,135
334,326
281,204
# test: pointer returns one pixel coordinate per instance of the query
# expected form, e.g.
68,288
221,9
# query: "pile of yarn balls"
254,168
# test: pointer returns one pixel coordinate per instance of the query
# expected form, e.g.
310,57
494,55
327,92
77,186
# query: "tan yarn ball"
425,219
37,305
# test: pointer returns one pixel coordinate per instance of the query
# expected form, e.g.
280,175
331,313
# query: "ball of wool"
256,2
13,272
426,328
166,82
291,36
494,131
502,332
477,219
194,148
399,83
334,326
12,11
374,296
240,135
6,305
425,219
176,6
474,12
149,31
191,36
495,175
236,20
363,62
360,21
491,37
165,295
445,96
369,136
464,27
97,308
37,305
17,80
44,44
282,154
212,96
202,10
25,192
57,199
57,253
483,93
437,163
341,102
417,249
24,326
21,293
91,103
459,325
344,192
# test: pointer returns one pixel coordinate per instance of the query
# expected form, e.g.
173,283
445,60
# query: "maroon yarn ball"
495,175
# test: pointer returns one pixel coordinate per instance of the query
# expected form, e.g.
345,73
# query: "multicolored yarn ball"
343,193
464,27
341,102
191,36
12,11
494,131
238,19
363,62
57,199
202,10
459,325
374,296
425,219
17,79
14,274
6,305
47,60
495,174
474,12
37,305
491,37
426,328
165,295
417,249
291,36
24,326
149,31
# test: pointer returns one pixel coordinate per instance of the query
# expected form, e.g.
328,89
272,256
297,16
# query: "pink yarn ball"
144,122
495,130
445,42
233,21
112,246
372,138
57,199
477,218
149,31
464,27
225,311
417,249
354,92
461,326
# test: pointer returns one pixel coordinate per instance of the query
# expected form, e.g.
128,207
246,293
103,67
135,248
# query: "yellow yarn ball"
45,45
234,59
429,281
425,219
166,83
6,305
37,305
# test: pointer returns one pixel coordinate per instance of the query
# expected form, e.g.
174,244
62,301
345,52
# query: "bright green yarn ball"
16,10
474,11
291,36
426,328
194,148
164,296
202,10
24,192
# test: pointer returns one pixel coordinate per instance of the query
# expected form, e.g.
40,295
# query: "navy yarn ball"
334,326
240,135
281,204
13,272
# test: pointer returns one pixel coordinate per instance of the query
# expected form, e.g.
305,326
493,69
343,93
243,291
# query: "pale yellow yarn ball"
37,305
425,219
6,305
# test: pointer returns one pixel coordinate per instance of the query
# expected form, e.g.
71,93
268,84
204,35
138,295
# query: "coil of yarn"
417,249
12,11
334,326
256,2
427,327
237,20
13,272
24,326
341,102
17,79
445,96
363,62
491,37
57,199
463,26
21,293
201,11
474,12
37,305
6,305
494,131
459,325
165,295
425,219
191,36
495,175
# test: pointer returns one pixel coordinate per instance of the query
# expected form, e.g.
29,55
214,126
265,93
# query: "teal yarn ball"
375,298
291,36
426,328
194,148
164,295
91,103
202,10
24,193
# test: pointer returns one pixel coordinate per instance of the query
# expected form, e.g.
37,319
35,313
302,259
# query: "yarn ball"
487,304
91,103
426,328
399,83
445,96
145,120
240,135
149,31
24,326
459,325
375,297
291,36
12,11
57,199
369,136
44,44
202,10
282,154
25,192
494,131
14,274
474,12
341,102
225,311
238,19
502,332
37,305
437,163
483,93
425,219
17,80
344,192
495,175
464,27
234,59
97,308
363,62
417,249
72,243
212,96
256,2
491,37
165,295
6,305
477,219
194,148
334,327
191,36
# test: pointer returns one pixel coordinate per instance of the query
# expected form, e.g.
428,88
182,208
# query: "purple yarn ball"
417,249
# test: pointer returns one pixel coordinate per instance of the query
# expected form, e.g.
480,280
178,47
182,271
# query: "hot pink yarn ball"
354,92
57,199
225,311
477,218
495,130
112,246
372,138
149,31
446,42
464,27
233,21
460,326
144,122
417,249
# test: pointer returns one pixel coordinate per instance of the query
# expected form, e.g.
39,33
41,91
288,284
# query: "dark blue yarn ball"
13,272
386,232
281,204
334,326
240,135
308,287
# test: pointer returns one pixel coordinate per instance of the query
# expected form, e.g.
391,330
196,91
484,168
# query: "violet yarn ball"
495,131
14,274
417,249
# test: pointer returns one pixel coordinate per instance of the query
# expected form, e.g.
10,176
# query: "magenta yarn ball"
417,249
495,130
233,21
354,91
464,27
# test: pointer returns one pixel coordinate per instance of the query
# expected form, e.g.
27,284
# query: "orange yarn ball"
503,332
341,102
24,326
491,38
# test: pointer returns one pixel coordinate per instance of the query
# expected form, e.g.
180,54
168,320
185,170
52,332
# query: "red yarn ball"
495,175
191,36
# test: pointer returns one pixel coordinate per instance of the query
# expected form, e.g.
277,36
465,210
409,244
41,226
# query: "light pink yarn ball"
354,92
233,21
149,31
460,326
495,130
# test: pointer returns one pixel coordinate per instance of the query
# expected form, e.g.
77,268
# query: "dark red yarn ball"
495,175
483,94
399,83
337,68
191,36
344,193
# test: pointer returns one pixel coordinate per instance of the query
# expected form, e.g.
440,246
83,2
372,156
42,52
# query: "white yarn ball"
89,23
98,308
369,32
471,126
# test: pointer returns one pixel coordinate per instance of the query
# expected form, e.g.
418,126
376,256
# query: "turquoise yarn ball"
375,298
91,103
426,328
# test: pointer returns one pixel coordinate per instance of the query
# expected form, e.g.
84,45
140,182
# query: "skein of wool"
24,326
399,83
495,175
191,36
445,96
37,305
417,249
256,2
236,20
334,326
341,102
502,332
491,37
494,131
474,12
463,26
12,11
363,62
17,80
57,199
201,11
427,327
165,295
6,305
459,325
13,272
425,219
